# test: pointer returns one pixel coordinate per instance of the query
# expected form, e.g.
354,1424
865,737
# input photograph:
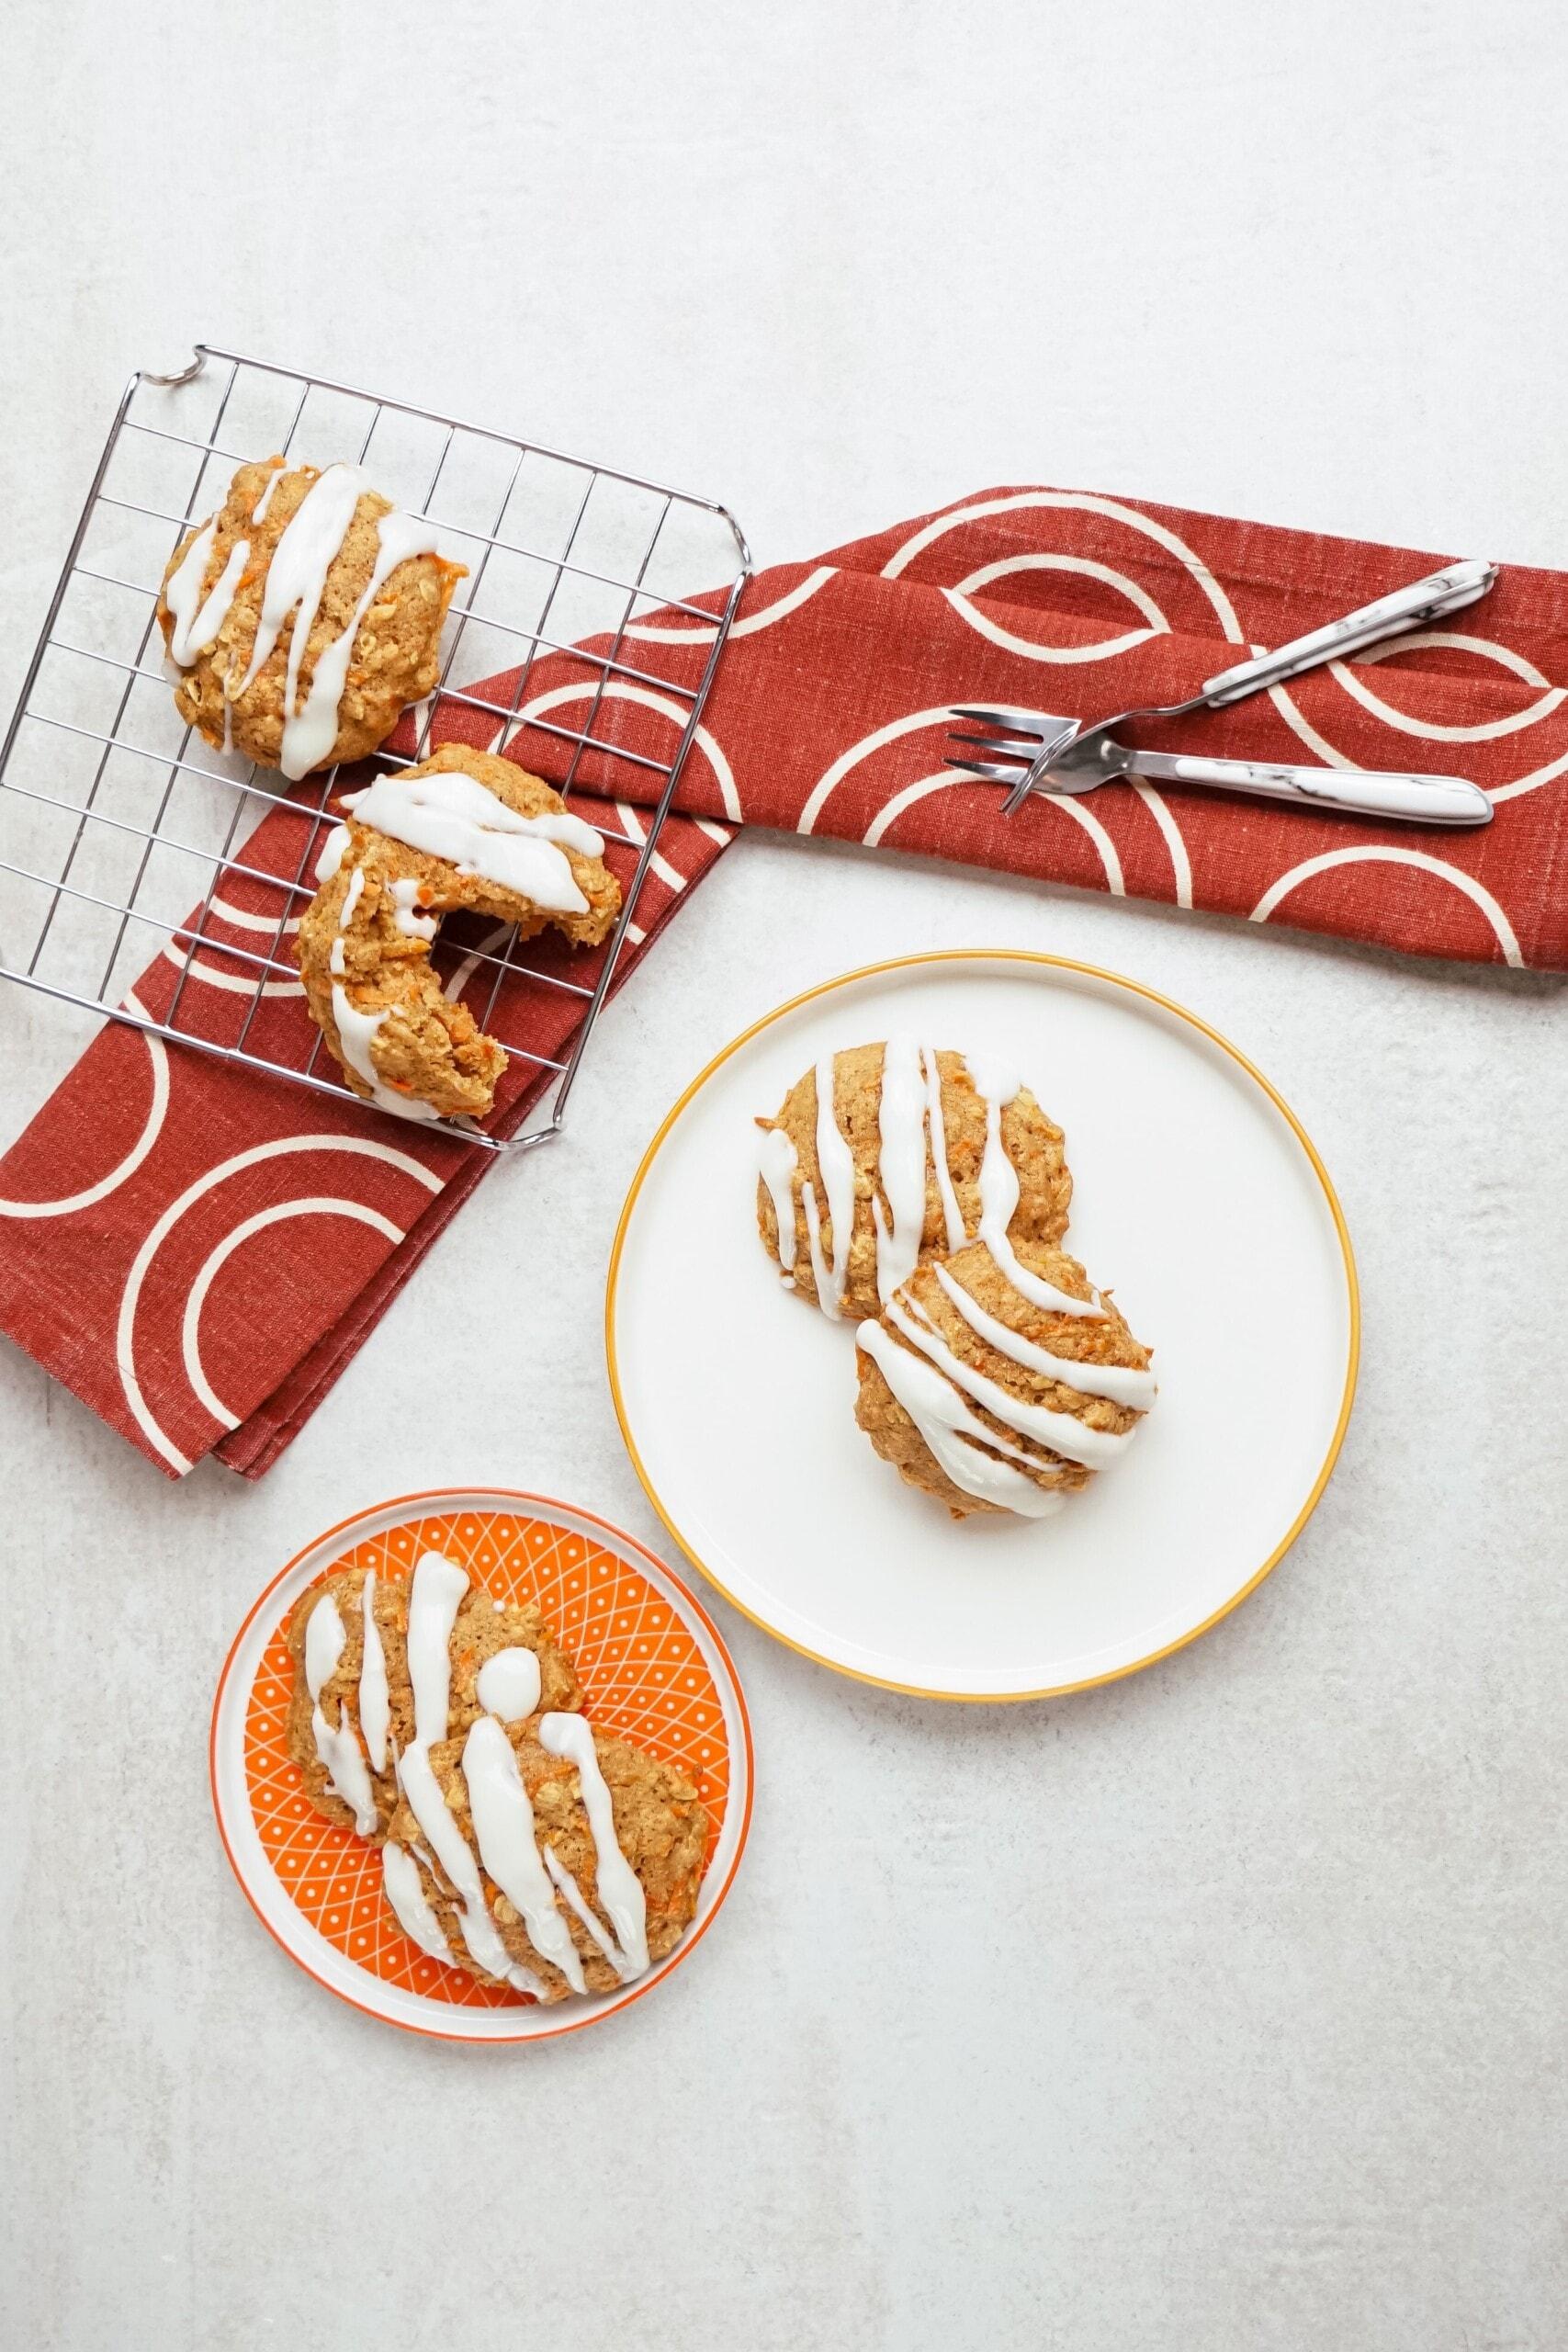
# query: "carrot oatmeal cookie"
524,1847
551,1856
304,617
463,830
1000,1387
886,1153
352,1709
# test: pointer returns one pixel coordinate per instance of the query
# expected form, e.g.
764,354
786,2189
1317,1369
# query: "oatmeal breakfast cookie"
304,617
571,1915
461,831
995,1390
903,1198
345,1693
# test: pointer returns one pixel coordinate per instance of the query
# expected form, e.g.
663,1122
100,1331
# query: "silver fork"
1365,792
1050,752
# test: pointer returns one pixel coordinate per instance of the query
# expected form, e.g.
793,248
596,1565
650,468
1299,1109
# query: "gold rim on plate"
1133,988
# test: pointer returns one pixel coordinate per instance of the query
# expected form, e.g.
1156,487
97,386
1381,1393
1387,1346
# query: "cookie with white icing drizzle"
304,617
462,831
586,1853
1001,1386
352,1708
876,1161
518,1844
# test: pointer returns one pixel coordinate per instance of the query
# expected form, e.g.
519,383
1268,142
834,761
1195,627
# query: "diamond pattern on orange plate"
643,1677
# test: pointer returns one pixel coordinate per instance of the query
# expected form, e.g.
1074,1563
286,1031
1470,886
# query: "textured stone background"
1218,2010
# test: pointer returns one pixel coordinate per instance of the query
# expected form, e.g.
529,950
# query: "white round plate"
1197,1199
654,1666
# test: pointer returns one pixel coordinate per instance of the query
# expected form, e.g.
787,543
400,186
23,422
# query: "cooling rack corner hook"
186,375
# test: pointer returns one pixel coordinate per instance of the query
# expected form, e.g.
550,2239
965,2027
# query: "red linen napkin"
829,714
198,1249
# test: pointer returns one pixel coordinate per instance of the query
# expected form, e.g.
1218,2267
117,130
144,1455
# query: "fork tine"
1004,747
1038,723
1011,773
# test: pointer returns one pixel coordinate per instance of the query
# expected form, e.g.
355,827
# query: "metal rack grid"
106,797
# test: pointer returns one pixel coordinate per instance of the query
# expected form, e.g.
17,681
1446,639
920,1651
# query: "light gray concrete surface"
1219,2009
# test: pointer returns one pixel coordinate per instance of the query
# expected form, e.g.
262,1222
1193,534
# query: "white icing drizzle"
572,1894
504,1825
836,1164
337,1746
952,1214
453,1852
777,1160
198,619
324,1640
952,1434
508,1684
434,1598
451,814
995,1080
333,850
405,1892
265,500
901,1164
356,1031
335,963
310,732
405,903
375,1701
997,1086
620,1889
297,575
439,1586
1122,1384
1063,1432
348,1775
182,590
351,897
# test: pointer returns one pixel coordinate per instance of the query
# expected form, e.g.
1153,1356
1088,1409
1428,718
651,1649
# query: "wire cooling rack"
118,825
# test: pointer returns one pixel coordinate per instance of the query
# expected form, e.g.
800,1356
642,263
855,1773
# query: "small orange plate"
654,1669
